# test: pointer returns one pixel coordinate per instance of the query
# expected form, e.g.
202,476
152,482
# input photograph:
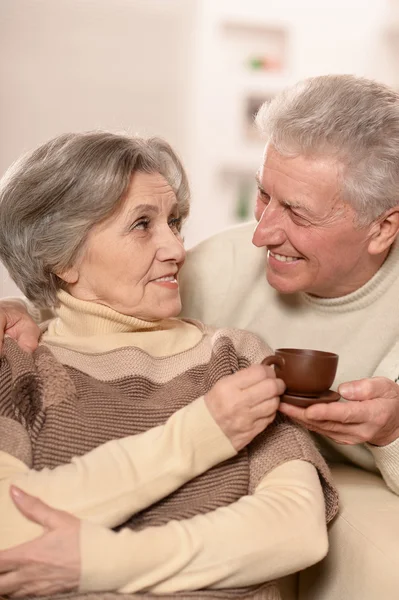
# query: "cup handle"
274,360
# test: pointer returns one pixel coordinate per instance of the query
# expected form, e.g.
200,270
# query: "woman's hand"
245,403
47,565
16,322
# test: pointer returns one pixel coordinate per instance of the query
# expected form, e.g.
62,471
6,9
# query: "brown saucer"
304,401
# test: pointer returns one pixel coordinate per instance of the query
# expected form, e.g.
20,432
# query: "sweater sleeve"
278,530
387,457
113,481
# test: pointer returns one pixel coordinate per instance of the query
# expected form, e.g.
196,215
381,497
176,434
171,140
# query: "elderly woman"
128,416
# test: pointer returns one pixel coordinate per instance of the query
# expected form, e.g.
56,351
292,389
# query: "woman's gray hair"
52,197
352,120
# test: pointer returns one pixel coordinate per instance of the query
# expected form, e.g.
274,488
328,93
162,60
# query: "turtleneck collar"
92,328
365,295
83,318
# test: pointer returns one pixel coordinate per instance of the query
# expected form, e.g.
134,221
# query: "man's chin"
283,285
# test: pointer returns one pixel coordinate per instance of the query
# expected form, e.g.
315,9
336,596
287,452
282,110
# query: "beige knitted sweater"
64,403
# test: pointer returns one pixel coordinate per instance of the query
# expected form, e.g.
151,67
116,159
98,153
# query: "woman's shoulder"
37,377
22,401
244,343
284,441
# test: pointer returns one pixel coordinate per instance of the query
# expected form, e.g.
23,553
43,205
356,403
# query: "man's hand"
371,415
47,565
16,322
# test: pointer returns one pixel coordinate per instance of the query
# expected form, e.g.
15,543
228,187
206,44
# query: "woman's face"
131,260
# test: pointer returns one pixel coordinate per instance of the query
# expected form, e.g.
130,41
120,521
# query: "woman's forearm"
119,478
279,530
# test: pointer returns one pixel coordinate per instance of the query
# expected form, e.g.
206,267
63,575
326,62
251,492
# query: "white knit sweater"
224,283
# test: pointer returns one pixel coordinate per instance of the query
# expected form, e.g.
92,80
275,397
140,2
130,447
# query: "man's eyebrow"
298,206
258,183
286,203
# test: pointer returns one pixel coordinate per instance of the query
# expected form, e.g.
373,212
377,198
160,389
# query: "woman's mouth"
168,281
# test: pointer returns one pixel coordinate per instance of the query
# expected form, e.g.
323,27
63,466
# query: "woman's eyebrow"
151,208
146,207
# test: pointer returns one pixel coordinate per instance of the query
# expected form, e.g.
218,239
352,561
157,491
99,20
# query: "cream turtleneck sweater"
362,327
258,538
93,328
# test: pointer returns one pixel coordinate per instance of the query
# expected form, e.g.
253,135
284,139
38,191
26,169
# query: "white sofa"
363,559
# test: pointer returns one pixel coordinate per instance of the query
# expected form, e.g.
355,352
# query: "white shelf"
243,165
254,26
266,82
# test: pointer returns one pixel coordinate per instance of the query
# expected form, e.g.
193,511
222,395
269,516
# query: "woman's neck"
92,327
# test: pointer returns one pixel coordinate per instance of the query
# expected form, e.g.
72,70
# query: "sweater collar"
81,318
365,295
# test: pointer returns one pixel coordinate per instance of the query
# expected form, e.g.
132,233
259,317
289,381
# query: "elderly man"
328,217
323,272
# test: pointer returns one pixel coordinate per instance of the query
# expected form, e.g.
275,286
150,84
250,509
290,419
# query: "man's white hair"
352,120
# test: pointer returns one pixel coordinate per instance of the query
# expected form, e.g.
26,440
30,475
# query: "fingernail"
16,492
347,390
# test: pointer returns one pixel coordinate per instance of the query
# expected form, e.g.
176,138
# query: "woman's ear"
384,232
70,275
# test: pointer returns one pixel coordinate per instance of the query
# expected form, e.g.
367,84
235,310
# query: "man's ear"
384,232
70,275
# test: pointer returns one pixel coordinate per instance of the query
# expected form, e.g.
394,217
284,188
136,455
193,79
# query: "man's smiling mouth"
282,257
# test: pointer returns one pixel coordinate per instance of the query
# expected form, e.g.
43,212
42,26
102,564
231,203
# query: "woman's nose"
171,247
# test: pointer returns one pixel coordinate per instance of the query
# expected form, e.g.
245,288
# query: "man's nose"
269,230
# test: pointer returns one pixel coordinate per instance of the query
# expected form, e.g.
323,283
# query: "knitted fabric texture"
61,403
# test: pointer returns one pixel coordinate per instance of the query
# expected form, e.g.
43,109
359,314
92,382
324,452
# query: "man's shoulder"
239,236
224,266
226,252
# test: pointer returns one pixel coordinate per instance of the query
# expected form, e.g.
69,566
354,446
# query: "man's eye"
299,219
265,198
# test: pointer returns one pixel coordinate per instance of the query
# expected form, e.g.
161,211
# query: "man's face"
312,241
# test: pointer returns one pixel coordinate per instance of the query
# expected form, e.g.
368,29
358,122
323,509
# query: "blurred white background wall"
187,70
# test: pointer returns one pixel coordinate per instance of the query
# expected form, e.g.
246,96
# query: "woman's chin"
166,310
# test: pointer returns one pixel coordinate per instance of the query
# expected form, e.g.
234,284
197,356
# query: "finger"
365,389
35,509
266,409
19,556
37,588
264,390
28,340
294,412
251,376
11,582
333,428
7,565
342,412
340,433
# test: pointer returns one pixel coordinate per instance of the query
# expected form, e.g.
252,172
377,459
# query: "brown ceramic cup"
304,372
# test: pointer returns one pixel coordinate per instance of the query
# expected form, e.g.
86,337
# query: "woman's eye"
140,224
175,223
